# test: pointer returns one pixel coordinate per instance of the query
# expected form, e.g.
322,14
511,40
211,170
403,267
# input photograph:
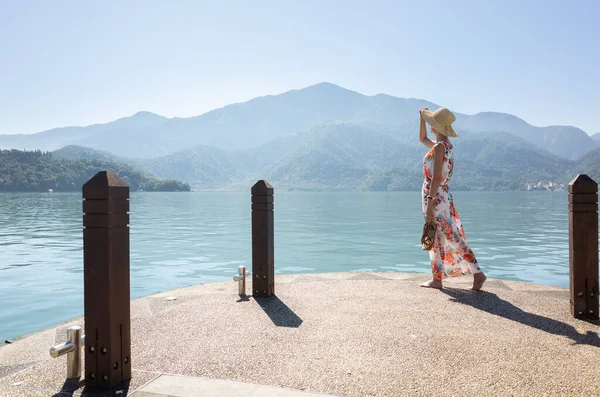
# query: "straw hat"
441,120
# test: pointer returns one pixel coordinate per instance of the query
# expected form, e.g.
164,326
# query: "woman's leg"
433,283
436,281
478,280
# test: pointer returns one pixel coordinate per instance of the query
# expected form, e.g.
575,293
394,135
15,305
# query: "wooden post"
106,281
263,262
583,247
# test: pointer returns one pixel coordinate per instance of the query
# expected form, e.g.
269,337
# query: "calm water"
179,239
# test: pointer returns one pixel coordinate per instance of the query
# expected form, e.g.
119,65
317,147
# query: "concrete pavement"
344,334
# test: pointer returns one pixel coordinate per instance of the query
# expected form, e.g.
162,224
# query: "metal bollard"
241,279
72,348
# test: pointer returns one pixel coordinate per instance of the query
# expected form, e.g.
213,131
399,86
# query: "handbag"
428,236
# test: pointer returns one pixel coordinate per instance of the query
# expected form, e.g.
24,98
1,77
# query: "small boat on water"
50,191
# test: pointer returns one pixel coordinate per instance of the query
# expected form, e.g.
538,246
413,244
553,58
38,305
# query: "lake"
178,239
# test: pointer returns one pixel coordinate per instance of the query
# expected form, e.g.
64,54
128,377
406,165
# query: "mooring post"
106,281
583,247
263,261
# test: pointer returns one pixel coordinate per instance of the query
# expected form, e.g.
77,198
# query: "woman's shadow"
493,304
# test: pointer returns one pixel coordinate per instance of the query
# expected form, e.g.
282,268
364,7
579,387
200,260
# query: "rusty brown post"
263,261
583,247
106,281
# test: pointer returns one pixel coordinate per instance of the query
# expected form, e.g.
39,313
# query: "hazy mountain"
589,164
47,140
257,159
74,152
596,136
509,152
339,156
568,142
203,166
343,156
266,119
259,121
92,135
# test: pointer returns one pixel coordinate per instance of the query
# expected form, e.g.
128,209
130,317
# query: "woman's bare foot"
433,283
478,280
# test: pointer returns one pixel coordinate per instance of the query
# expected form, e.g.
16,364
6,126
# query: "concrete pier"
342,334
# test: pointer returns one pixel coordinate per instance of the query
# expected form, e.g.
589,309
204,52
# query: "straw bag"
428,236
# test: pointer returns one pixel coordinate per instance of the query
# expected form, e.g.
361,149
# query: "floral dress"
450,255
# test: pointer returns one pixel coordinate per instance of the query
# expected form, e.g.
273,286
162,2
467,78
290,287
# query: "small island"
37,171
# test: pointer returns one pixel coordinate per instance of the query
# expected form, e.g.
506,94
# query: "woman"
450,255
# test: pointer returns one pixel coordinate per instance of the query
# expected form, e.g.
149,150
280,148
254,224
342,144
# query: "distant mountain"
501,161
590,165
347,157
342,156
259,121
339,156
35,171
74,152
266,119
596,137
331,156
92,135
510,153
567,142
202,166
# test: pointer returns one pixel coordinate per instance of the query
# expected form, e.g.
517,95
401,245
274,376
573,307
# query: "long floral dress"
450,255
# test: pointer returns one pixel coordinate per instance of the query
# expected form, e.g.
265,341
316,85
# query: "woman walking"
450,255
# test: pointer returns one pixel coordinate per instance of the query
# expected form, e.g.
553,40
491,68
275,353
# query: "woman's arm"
423,133
438,163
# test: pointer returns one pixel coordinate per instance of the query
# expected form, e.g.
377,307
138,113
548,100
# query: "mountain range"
343,156
261,120
323,137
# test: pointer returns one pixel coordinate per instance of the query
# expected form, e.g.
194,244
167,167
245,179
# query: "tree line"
37,171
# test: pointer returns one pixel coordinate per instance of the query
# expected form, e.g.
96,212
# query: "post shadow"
95,392
279,312
69,387
243,298
491,303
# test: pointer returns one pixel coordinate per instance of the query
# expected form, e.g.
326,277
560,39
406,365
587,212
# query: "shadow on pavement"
279,312
493,304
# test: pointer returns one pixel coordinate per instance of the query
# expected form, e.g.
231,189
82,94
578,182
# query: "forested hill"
36,171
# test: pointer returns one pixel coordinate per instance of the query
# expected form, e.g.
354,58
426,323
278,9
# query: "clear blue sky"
84,62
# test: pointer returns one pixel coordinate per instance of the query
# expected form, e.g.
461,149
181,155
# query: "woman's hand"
423,131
